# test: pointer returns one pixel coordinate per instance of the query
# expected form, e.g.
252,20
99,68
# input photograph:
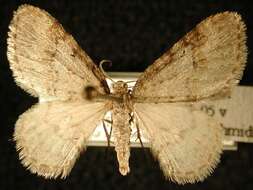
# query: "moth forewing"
46,61
207,62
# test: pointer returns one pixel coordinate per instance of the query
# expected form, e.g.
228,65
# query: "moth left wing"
206,62
46,61
186,142
51,135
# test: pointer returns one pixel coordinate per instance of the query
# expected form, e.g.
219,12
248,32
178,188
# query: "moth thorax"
119,87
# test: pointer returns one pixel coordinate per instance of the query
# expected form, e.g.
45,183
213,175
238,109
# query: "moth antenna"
130,81
103,71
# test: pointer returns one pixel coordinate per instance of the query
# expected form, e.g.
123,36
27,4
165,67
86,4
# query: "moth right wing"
51,135
186,142
46,61
206,63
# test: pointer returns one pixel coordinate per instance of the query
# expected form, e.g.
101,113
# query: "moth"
74,96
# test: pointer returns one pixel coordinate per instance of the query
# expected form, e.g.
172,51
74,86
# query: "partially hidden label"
235,114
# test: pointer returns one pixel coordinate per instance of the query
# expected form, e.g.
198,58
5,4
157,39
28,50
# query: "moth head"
90,92
119,87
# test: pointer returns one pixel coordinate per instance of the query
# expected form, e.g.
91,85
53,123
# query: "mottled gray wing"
51,135
186,142
206,62
46,61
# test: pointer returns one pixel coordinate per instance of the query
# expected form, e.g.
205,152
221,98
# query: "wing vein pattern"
186,142
51,135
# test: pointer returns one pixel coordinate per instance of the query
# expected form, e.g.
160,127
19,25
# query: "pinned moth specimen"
74,96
